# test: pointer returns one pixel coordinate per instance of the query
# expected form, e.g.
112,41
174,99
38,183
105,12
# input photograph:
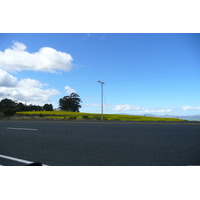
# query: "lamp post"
101,99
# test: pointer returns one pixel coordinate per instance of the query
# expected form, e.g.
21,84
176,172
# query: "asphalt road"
100,143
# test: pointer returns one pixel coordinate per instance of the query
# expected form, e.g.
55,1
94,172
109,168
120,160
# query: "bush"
9,112
41,115
115,119
85,117
72,117
97,118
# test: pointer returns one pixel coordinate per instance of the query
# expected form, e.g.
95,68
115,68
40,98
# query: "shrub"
72,117
41,115
97,118
115,119
9,112
85,117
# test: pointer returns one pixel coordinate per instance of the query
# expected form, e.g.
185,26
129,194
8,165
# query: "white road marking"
25,129
17,159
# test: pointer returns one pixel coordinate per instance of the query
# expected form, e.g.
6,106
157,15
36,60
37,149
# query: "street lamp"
101,99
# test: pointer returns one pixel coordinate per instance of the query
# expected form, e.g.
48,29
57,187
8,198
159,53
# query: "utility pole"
101,99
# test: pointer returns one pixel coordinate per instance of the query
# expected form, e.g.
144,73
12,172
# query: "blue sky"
143,73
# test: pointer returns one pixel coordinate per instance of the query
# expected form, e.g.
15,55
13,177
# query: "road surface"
72,143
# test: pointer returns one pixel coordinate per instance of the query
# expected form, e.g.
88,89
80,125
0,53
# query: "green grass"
92,116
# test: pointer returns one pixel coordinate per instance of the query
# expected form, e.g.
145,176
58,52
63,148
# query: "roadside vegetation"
66,115
70,105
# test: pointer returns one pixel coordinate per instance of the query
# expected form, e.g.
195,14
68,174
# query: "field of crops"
91,116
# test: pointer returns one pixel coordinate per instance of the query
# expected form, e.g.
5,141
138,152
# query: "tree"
7,103
20,107
9,112
70,103
48,107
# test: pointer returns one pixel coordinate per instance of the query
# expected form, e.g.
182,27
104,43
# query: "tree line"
67,103
19,106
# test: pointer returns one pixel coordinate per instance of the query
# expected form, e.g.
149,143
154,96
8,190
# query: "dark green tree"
20,107
9,112
70,103
48,107
7,103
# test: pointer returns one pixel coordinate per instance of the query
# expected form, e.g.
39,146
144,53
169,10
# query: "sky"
144,73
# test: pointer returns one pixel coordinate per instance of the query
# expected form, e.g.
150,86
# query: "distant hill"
189,118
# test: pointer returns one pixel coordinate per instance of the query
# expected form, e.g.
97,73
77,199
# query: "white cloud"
93,104
190,108
126,107
28,90
46,59
7,80
69,90
18,46
98,105
156,110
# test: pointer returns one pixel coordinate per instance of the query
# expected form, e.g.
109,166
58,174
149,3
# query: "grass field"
92,116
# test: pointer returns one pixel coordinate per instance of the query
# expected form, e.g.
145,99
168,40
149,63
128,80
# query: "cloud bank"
126,107
190,108
93,104
27,90
157,110
46,59
137,109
